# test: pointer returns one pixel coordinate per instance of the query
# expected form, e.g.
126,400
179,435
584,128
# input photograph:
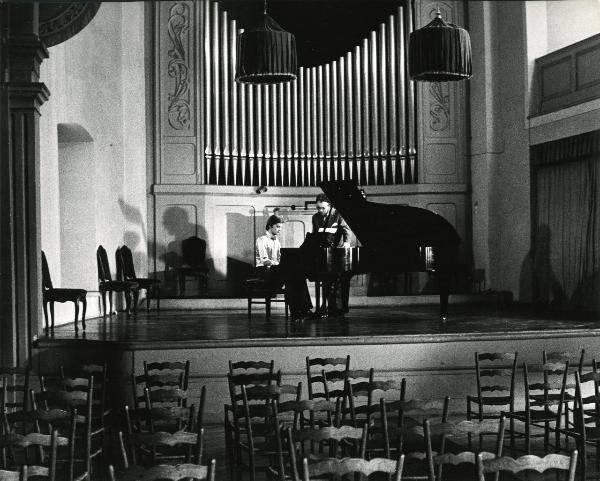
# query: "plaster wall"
570,21
97,82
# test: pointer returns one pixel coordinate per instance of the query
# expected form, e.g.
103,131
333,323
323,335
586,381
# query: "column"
21,95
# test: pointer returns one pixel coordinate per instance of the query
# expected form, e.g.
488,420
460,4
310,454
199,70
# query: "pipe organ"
351,118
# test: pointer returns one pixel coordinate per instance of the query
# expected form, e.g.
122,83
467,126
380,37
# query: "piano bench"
258,289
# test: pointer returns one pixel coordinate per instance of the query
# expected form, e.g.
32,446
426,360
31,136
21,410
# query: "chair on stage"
259,291
107,285
126,272
50,295
193,254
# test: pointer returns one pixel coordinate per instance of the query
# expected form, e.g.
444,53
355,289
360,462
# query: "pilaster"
22,96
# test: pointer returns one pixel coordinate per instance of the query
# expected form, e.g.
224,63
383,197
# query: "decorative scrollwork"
179,110
439,108
61,21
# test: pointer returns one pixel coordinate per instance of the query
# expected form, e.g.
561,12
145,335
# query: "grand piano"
394,238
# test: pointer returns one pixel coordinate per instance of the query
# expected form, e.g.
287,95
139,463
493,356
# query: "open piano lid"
387,226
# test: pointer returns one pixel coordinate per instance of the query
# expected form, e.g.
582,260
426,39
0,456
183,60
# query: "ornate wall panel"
441,111
176,52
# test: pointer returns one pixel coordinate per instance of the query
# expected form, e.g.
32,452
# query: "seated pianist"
332,231
268,256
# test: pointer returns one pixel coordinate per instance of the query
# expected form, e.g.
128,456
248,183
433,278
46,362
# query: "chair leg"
110,302
136,296
103,295
45,306
157,298
52,314
148,300
268,307
76,314
249,308
127,294
84,307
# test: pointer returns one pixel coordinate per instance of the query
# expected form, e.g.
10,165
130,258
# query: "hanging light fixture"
439,52
266,53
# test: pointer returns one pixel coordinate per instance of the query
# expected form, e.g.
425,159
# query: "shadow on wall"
177,225
136,238
538,282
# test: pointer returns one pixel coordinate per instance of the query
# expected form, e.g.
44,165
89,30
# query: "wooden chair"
336,368
107,285
357,397
81,399
259,437
527,463
452,437
292,419
47,422
234,411
339,468
162,446
51,294
332,442
541,409
193,255
126,272
73,378
495,377
45,465
15,392
259,288
586,419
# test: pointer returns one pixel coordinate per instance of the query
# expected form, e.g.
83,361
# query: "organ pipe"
350,118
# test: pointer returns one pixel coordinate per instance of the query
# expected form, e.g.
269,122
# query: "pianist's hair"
271,221
323,198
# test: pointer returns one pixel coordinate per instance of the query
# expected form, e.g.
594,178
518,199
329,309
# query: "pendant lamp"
439,52
266,53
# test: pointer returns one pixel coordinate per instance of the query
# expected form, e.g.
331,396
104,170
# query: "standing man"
332,231
268,256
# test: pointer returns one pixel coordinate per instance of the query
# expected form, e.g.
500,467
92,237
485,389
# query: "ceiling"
325,29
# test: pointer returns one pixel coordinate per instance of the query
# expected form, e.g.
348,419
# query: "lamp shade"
266,54
439,52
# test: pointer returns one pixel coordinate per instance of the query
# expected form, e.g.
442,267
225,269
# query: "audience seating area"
340,422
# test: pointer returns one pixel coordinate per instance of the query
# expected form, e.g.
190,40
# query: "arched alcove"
76,179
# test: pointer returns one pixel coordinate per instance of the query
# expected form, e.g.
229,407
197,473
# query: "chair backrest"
586,407
337,369
125,266
103,265
166,472
338,468
14,382
191,442
50,441
248,367
495,372
167,368
547,396
193,251
576,360
528,462
46,279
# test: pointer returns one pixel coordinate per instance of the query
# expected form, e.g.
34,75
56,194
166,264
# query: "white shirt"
267,248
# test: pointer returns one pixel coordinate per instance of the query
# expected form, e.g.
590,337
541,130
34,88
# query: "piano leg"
444,283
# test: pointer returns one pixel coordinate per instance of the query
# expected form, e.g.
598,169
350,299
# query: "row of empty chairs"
69,420
261,405
127,282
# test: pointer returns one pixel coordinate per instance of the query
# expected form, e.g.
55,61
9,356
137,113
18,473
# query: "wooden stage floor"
375,324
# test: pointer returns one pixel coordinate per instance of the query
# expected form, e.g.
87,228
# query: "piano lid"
387,226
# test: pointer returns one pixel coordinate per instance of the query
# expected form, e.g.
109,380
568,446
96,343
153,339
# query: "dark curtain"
566,235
